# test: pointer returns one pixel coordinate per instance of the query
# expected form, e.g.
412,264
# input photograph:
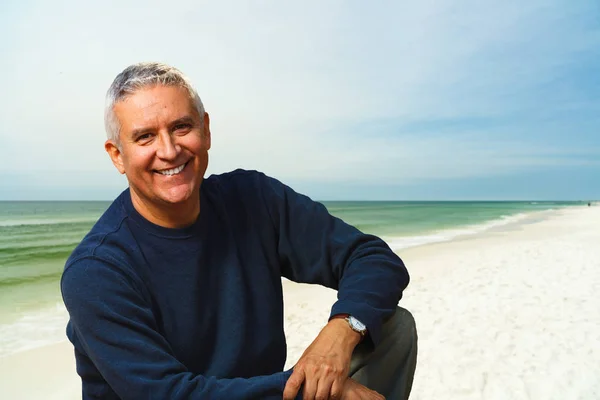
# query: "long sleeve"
316,247
117,331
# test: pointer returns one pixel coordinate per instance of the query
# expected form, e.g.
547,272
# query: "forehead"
152,105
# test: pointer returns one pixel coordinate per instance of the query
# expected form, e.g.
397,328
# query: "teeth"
173,171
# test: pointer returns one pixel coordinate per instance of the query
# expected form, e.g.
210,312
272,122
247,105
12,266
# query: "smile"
172,171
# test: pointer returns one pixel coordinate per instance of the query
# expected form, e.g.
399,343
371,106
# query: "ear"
206,128
115,155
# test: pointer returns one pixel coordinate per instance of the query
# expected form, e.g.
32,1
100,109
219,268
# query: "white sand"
511,314
514,315
43,373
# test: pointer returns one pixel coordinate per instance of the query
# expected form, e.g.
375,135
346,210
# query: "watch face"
356,324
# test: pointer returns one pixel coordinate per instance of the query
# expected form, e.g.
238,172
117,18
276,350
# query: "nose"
168,149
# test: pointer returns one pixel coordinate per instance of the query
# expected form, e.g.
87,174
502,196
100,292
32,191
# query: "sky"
342,100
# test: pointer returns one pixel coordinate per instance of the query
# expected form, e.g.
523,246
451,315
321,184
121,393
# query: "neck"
169,215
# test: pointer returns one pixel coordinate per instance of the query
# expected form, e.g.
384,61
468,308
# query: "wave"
34,329
403,242
25,279
46,221
26,257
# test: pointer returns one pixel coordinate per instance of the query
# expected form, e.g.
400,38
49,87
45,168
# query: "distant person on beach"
176,291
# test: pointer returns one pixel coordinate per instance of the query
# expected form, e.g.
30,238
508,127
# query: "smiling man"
176,291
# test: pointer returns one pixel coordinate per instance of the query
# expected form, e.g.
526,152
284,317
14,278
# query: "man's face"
164,145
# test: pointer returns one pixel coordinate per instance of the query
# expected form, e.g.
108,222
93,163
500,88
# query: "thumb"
292,387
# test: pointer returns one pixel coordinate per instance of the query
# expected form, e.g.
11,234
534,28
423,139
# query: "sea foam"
36,329
403,242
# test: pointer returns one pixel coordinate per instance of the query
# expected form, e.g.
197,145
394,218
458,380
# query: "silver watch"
356,325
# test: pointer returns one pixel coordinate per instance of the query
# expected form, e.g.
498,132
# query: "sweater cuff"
364,313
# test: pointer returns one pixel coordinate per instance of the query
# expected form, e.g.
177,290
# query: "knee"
402,324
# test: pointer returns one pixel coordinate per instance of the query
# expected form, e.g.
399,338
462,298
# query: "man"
176,291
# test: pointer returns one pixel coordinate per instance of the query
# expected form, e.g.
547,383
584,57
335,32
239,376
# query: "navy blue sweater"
197,313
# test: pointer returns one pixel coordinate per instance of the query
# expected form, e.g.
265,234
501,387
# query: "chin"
177,199
178,195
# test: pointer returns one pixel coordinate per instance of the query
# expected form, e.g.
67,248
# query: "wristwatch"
354,323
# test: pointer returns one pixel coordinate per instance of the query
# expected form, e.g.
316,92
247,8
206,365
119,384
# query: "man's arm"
118,332
315,247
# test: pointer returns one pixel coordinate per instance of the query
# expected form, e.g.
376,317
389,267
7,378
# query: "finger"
324,388
373,395
310,387
292,386
337,388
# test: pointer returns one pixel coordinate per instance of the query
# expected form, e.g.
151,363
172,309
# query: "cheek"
138,161
198,141
196,146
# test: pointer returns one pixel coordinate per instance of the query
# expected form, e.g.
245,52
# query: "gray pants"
389,368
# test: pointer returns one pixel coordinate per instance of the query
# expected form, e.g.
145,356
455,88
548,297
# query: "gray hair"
138,76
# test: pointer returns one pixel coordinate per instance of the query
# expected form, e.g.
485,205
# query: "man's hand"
324,365
355,391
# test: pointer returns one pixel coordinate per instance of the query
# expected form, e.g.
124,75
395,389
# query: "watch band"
346,317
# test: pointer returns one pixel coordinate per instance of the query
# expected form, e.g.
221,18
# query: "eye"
143,138
184,127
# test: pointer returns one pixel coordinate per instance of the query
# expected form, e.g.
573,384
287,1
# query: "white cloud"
281,80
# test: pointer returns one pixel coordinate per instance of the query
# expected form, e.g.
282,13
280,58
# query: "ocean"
37,237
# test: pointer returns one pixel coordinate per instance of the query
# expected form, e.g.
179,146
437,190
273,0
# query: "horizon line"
332,200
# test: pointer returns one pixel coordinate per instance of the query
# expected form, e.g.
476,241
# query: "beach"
508,313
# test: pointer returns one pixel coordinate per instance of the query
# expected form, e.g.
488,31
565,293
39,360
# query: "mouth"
172,171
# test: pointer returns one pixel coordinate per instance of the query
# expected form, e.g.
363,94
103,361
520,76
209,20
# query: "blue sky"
405,100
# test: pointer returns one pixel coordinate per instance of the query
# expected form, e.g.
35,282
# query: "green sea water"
412,223
37,237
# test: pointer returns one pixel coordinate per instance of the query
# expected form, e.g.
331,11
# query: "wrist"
354,323
348,335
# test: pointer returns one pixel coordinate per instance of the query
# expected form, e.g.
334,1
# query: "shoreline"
527,219
465,232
